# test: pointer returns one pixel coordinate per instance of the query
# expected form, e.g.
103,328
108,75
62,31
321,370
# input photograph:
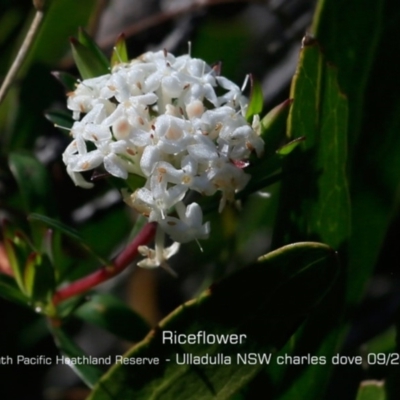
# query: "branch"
23,51
107,272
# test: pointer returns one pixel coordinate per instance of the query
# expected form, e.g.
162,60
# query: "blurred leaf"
140,222
225,35
86,60
256,99
29,272
60,118
10,291
382,343
59,226
69,81
33,182
285,285
38,277
17,251
371,390
113,315
87,372
376,162
62,19
72,233
9,20
94,232
120,52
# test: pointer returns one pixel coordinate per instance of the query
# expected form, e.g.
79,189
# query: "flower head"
176,123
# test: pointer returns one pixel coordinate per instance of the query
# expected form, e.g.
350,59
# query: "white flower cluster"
171,120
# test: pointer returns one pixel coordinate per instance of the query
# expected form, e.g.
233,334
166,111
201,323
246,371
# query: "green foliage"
9,291
87,59
33,181
113,315
89,373
120,52
256,99
285,286
334,145
371,390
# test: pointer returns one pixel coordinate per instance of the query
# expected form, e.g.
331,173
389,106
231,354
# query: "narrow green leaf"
86,60
267,301
60,118
273,126
289,147
89,373
66,230
256,99
371,390
38,277
17,254
113,315
10,291
29,272
120,52
88,42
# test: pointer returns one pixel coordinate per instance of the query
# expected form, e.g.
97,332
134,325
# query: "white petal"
115,166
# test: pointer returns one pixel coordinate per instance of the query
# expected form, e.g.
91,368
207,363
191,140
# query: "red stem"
105,273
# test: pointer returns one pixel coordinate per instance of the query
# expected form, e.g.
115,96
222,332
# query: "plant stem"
22,53
109,271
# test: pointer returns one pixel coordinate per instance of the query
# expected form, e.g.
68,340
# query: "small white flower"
159,256
189,226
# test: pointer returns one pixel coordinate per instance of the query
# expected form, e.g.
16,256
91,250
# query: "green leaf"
59,226
69,81
273,126
350,41
267,301
87,61
120,52
317,172
29,272
33,182
38,277
315,205
10,291
86,371
15,264
376,162
66,230
256,99
18,250
289,147
111,314
371,390
60,118
51,42
88,42
264,171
